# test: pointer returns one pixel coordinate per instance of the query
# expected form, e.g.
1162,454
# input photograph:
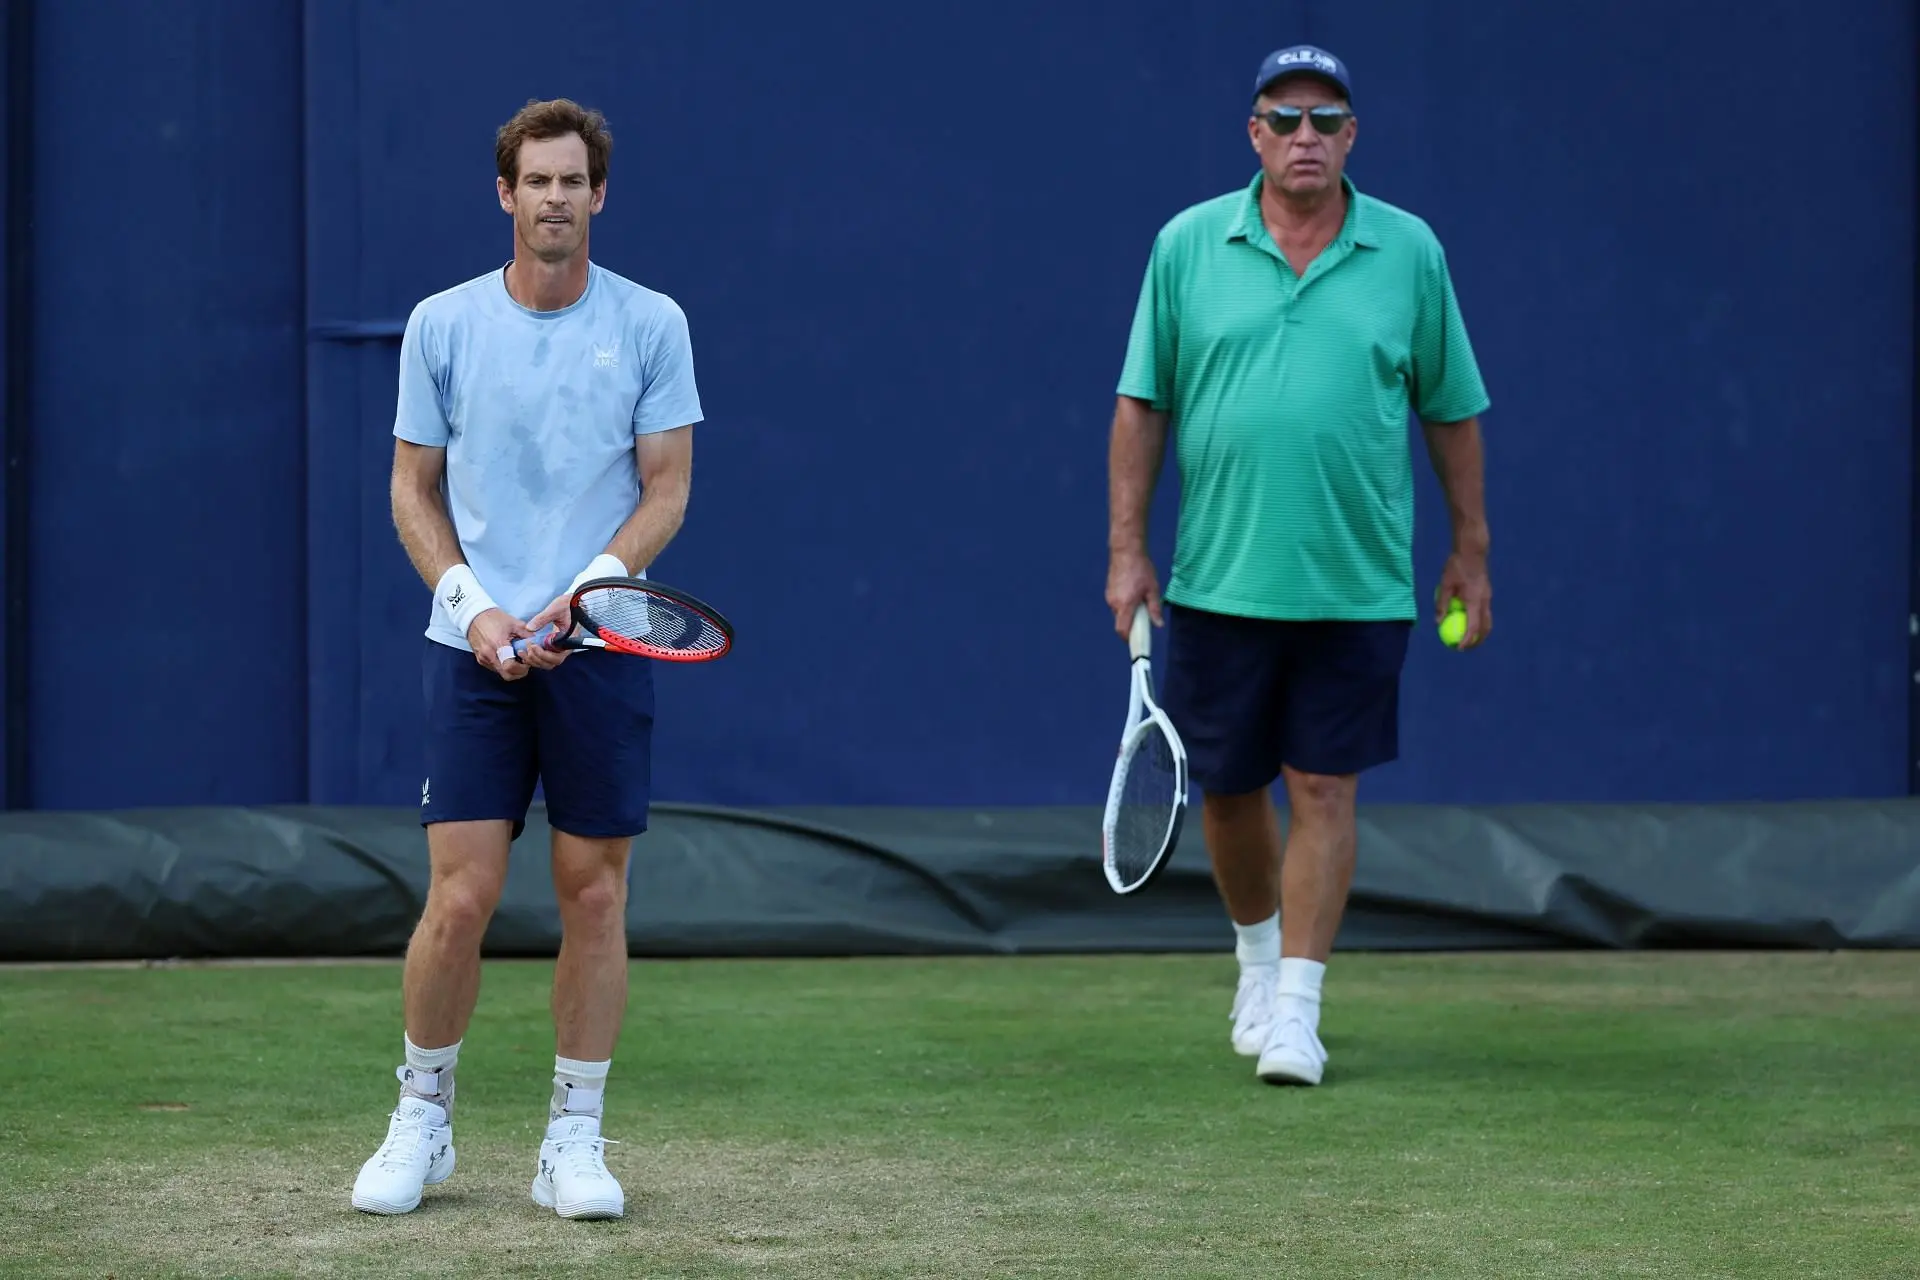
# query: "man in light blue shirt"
543,436
538,414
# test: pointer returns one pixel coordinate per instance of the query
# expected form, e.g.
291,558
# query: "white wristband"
463,596
604,565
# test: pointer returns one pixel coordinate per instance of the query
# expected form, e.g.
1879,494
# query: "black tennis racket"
1147,797
638,617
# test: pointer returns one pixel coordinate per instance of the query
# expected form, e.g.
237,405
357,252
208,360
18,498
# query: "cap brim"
1291,72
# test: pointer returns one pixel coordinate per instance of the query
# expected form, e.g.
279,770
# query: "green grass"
1483,1116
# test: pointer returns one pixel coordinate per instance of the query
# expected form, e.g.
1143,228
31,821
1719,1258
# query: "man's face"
552,203
1306,161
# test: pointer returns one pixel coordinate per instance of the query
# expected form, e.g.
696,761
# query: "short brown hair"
554,118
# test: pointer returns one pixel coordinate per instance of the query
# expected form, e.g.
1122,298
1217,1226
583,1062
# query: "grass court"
1587,1114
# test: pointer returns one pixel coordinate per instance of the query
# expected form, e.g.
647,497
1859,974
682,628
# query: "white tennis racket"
1147,799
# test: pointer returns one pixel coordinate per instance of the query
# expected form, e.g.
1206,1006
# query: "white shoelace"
1253,1002
584,1156
403,1144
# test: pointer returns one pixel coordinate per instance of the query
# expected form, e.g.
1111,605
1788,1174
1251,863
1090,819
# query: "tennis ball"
1453,627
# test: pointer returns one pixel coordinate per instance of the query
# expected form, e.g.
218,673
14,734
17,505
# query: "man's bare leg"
589,1001
590,978
1243,843
1319,861
441,982
1245,846
1315,878
467,868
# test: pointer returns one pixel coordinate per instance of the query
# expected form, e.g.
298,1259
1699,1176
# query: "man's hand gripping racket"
639,617
1147,798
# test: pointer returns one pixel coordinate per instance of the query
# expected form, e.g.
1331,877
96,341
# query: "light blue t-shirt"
538,412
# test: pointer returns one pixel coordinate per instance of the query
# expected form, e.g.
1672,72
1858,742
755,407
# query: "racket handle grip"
517,648
1140,640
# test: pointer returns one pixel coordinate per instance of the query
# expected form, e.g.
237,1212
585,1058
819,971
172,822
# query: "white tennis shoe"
418,1151
1253,1004
573,1180
1292,1054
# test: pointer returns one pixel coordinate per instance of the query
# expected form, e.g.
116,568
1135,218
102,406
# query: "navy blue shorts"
1248,695
583,732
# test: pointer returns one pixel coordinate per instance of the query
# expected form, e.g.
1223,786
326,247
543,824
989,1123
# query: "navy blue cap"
1303,58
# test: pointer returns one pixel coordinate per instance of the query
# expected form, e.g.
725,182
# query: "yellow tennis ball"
1453,627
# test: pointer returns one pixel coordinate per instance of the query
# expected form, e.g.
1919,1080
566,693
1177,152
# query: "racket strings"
1149,796
654,621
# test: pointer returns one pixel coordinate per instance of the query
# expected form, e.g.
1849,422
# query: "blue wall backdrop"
16,148
908,243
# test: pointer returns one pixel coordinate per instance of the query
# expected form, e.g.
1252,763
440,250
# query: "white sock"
429,1073
1258,943
1300,980
579,1088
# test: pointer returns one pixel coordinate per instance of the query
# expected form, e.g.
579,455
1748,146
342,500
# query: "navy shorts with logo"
582,731
1248,695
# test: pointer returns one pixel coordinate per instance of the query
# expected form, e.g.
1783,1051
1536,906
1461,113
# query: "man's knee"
590,877
1239,808
601,897
462,905
469,872
1321,798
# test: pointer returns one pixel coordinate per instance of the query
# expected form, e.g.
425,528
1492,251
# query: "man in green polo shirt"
1283,334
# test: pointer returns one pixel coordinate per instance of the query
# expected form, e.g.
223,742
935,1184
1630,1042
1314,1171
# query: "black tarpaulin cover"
198,883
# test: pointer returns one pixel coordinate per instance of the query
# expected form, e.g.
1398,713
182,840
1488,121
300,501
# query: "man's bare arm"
1134,455
1454,449
665,460
1133,467
419,513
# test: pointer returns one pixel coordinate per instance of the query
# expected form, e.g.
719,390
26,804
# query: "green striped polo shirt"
1288,399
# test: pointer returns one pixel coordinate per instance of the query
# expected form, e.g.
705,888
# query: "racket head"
1146,803
651,620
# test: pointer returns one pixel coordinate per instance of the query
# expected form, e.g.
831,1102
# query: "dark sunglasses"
1284,120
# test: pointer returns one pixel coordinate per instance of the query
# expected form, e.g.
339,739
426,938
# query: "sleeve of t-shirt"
1147,373
420,414
669,398
1446,378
